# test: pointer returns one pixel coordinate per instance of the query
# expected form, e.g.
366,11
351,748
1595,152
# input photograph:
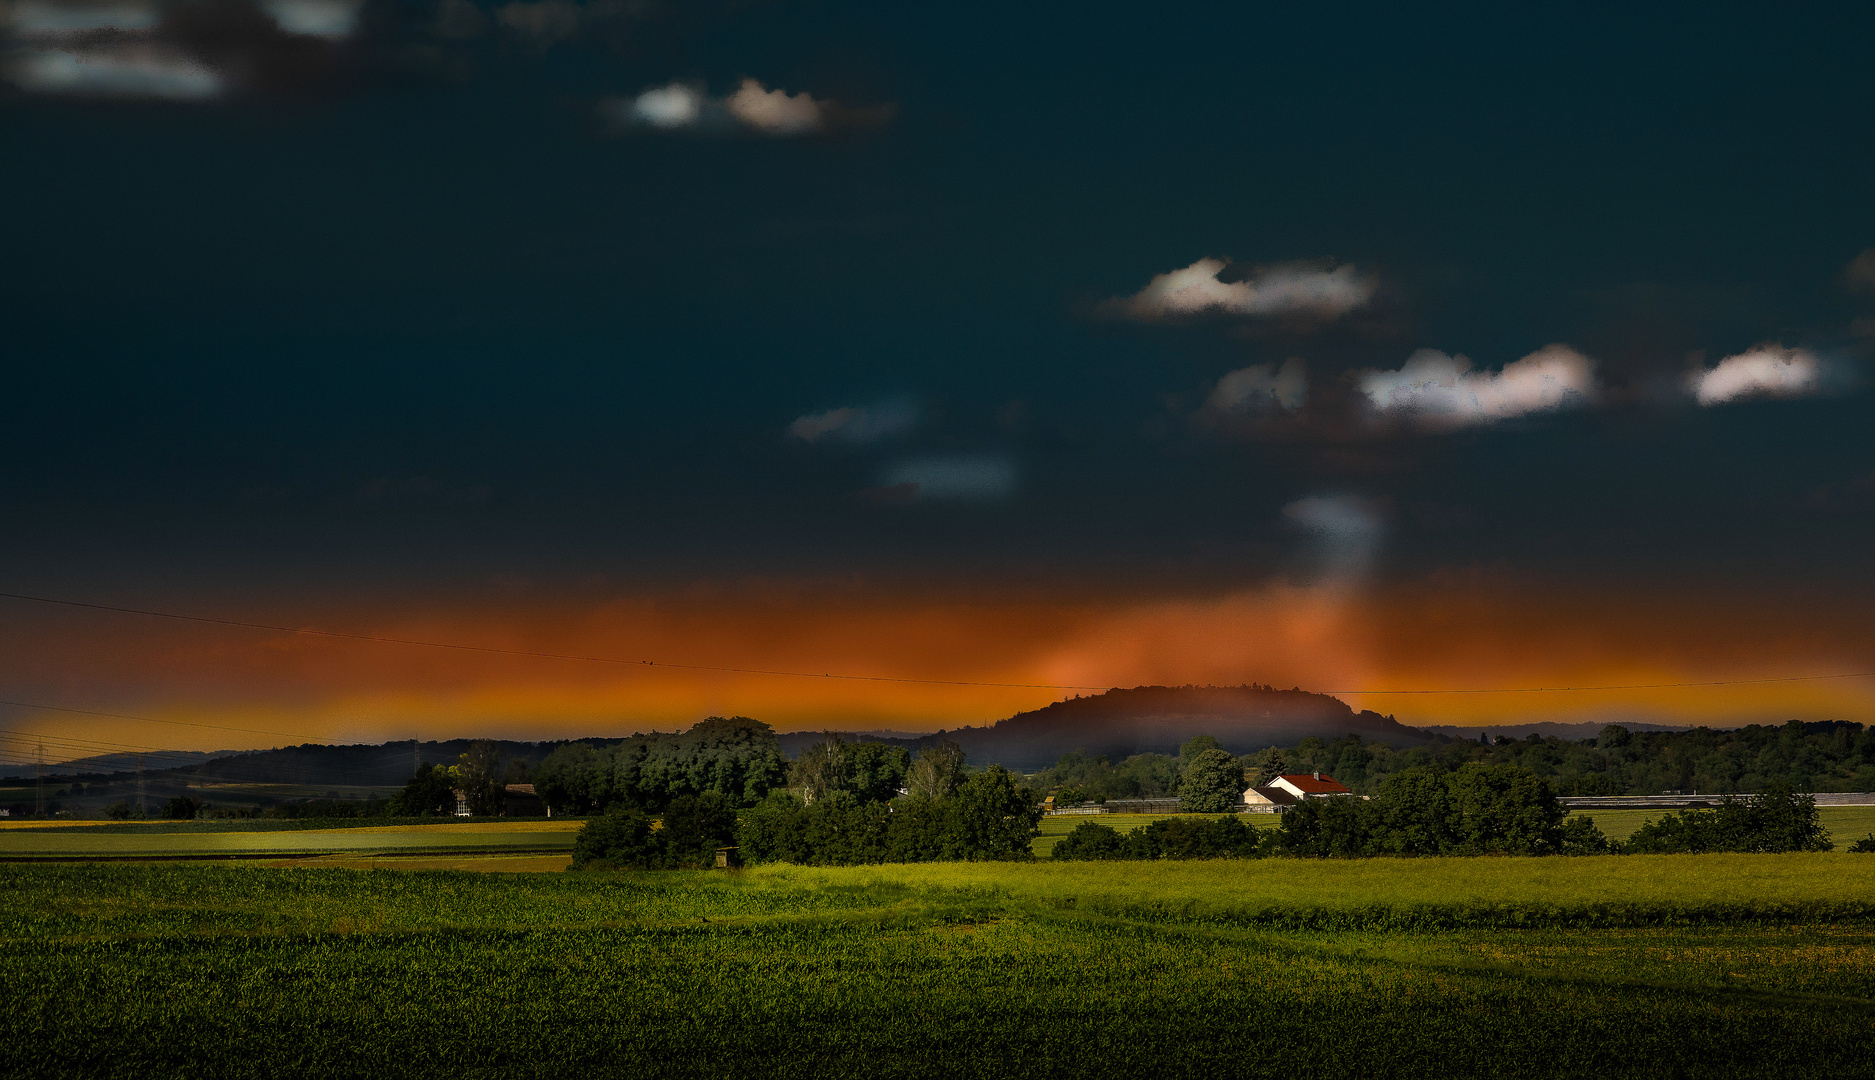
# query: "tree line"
847,804
1473,810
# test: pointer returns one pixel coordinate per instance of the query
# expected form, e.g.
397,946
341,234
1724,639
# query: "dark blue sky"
408,308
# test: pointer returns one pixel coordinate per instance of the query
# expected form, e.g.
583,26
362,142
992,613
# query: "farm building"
1289,789
1269,799
521,800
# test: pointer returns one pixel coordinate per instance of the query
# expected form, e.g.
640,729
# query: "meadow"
1616,966
159,839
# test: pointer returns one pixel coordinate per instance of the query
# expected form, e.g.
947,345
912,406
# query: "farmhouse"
1309,786
1289,789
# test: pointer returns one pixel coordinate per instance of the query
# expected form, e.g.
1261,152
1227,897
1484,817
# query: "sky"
1057,347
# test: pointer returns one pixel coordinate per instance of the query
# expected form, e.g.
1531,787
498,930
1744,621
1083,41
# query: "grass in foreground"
944,970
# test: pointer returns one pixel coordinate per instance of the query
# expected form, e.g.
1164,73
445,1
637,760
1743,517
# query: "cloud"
752,109
38,18
315,18
150,71
1766,371
1443,390
1204,288
947,478
1859,275
675,106
855,424
775,112
1261,386
178,52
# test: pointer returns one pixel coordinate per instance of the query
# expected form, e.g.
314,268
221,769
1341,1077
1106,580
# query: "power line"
815,675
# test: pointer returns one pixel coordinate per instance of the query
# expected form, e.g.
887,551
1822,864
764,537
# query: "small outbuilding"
521,800
1267,800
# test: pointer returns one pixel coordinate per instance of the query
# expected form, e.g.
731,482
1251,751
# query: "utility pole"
39,774
140,811
416,762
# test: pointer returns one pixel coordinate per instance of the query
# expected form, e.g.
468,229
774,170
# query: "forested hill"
1159,719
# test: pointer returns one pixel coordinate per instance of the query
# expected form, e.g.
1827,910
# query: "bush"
181,808
692,829
989,817
1864,846
622,838
1776,820
1091,841
1474,810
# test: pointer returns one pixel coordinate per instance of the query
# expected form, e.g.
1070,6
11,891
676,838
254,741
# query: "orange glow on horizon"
1437,634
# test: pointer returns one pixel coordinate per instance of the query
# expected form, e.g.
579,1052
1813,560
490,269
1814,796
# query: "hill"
1158,719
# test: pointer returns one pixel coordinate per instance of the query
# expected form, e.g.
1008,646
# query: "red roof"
1310,784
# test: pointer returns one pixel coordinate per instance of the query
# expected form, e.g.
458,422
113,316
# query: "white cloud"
674,106
1270,291
1442,389
952,478
752,108
1261,385
774,112
1766,371
37,18
143,71
315,18
855,424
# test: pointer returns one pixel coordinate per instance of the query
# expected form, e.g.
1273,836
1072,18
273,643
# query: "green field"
211,839
1846,824
1608,967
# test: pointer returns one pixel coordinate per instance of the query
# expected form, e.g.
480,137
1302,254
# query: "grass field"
1010,970
212,839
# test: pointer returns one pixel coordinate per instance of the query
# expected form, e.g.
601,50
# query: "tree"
735,757
1212,783
430,791
875,771
478,775
996,818
181,808
622,838
936,772
820,770
695,826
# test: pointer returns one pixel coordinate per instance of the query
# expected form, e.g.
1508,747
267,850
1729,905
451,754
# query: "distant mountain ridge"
1159,719
1547,729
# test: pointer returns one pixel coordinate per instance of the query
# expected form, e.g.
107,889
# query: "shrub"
1776,820
1091,841
989,817
1864,846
